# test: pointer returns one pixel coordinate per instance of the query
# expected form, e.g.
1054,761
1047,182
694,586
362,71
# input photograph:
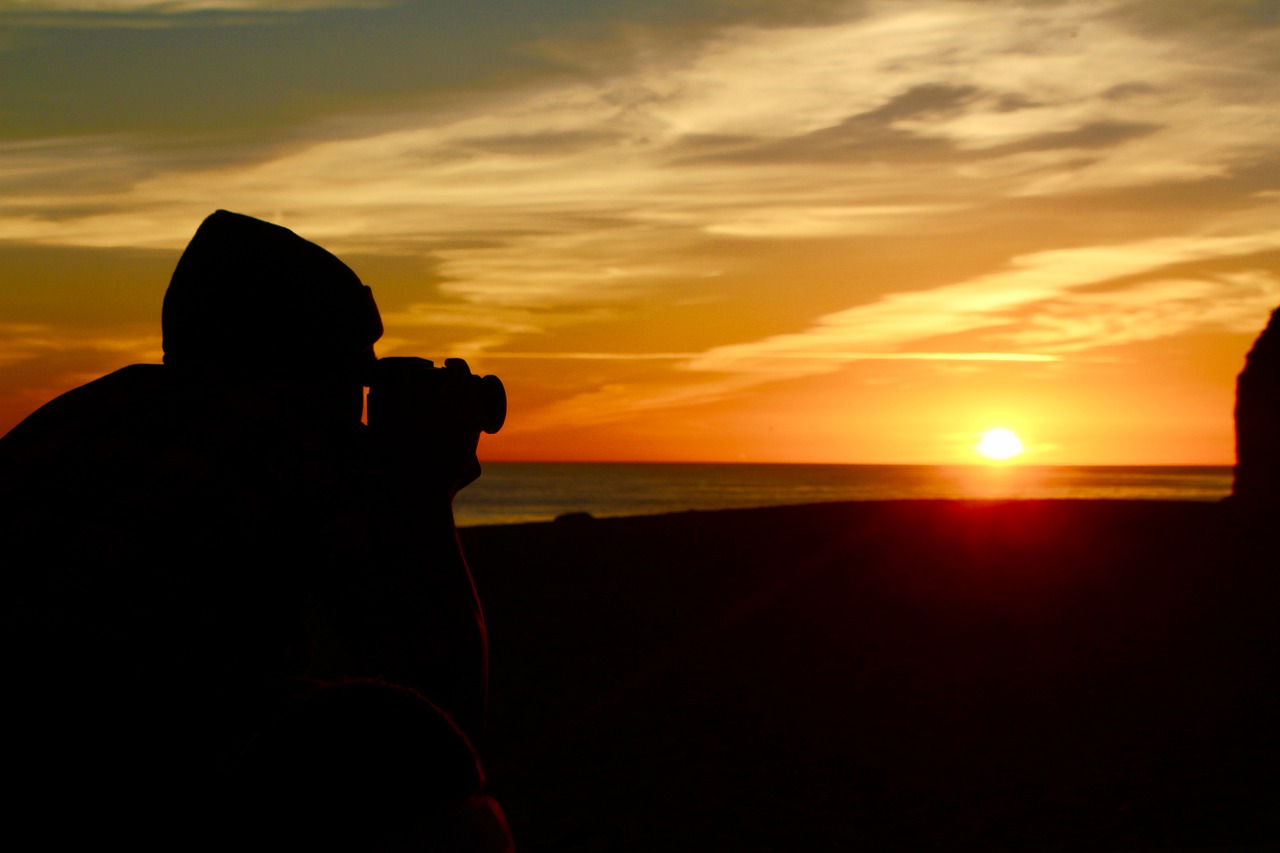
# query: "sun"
999,444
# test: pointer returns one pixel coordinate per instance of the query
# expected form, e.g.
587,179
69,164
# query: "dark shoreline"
887,675
529,492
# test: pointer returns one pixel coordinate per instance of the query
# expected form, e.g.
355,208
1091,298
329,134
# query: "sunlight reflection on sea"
516,492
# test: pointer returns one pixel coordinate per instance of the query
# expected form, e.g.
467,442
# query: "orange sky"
724,231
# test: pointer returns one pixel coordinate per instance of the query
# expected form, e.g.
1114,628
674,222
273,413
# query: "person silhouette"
226,593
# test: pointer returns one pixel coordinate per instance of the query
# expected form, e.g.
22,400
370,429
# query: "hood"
247,293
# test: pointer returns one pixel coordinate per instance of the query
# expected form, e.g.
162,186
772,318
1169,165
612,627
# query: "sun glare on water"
999,445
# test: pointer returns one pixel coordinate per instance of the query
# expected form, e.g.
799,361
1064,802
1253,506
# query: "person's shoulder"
82,409
133,379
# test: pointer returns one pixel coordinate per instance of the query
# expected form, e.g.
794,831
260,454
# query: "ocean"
518,492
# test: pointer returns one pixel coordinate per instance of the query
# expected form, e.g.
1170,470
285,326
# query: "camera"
405,392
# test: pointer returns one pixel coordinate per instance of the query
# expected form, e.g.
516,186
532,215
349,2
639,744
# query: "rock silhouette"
1257,420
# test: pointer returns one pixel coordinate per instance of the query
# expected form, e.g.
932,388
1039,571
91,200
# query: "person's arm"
429,631
411,614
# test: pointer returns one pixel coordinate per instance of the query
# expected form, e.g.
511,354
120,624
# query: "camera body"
406,392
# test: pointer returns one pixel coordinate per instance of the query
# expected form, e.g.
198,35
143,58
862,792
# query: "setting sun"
999,444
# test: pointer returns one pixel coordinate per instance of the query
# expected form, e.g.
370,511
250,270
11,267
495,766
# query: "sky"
705,230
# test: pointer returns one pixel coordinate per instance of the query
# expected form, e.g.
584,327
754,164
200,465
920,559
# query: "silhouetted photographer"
232,606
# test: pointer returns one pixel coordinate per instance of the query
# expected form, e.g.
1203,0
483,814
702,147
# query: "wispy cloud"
605,159
1162,308
1049,285
22,342
1048,303
175,7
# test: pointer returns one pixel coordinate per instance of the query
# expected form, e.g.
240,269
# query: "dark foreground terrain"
916,675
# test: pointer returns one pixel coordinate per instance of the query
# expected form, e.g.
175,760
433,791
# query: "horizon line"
823,356
977,464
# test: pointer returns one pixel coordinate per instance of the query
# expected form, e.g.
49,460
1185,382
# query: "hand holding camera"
430,418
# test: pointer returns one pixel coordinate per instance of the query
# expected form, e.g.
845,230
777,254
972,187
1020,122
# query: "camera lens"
493,398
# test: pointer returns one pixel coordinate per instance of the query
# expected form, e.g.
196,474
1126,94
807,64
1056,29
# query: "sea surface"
518,492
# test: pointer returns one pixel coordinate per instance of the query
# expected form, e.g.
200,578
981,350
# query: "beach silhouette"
900,675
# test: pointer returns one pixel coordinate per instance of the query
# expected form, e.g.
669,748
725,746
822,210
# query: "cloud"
25,342
177,7
824,221
1149,310
1045,283
1047,307
733,136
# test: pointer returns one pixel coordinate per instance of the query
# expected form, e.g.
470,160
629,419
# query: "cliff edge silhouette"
1257,421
